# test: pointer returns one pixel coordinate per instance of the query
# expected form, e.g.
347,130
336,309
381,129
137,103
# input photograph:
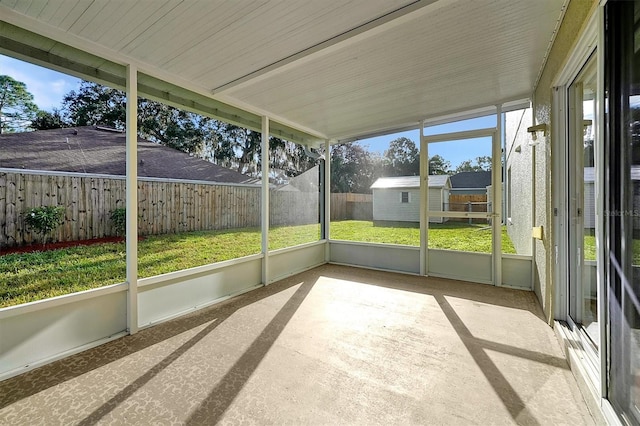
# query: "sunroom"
523,83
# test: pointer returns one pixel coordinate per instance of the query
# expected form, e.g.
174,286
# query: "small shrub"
119,219
43,220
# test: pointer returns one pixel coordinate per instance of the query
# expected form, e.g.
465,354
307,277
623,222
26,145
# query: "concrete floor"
334,345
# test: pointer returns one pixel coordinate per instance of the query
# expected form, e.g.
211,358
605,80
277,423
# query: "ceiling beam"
369,29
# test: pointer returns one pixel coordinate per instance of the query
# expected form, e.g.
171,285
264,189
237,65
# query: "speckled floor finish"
331,346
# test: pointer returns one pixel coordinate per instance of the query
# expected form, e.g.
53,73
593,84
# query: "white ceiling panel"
464,55
332,68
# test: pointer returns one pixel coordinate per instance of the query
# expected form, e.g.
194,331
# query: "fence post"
470,210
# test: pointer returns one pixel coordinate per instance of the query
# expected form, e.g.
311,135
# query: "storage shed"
397,199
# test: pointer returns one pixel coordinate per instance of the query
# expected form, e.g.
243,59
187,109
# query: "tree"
173,127
225,144
439,166
17,108
402,158
94,104
482,163
353,168
46,120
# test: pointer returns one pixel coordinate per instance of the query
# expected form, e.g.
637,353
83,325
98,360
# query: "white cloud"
47,87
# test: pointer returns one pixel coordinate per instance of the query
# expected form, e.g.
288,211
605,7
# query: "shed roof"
319,69
102,151
435,181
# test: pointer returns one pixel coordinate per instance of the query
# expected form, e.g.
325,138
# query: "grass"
26,277
449,235
590,249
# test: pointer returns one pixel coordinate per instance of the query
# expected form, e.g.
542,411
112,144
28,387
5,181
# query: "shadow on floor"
22,386
213,407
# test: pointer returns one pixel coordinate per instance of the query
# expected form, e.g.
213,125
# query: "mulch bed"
60,245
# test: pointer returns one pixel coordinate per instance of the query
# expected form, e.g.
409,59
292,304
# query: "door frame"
584,50
496,199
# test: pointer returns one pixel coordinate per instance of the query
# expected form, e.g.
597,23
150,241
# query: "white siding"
387,204
589,210
436,203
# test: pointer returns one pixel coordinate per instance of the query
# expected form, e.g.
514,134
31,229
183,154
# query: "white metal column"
424,194
265,199
496,181
327,198
132,197
602,243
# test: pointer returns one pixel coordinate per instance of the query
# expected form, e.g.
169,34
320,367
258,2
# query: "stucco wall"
575,17
519,173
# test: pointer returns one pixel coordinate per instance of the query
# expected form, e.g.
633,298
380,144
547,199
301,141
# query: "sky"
454,151
48,87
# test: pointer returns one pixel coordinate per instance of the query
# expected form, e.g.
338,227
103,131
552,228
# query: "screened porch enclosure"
332,73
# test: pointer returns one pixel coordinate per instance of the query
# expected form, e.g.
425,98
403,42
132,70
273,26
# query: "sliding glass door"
581,177
622,147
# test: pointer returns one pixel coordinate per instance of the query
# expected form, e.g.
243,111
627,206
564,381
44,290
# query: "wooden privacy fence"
467,203
164,206
351,207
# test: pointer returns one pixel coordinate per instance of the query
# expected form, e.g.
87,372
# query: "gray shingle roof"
471,180
435,181
102,151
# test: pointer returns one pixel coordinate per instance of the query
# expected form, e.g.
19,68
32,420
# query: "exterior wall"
576,16
589,210
387,206
519,156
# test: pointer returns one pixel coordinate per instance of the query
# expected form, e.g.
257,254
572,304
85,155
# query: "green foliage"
225,144
402,158
46,120
353,168
17,108
482,163
119,219
95,104
439,166
43,220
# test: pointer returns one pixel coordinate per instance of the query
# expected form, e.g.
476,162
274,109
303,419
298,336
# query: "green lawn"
33,276
450,235
590,249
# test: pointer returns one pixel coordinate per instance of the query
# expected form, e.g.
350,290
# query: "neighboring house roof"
468,180
100,150
435,181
